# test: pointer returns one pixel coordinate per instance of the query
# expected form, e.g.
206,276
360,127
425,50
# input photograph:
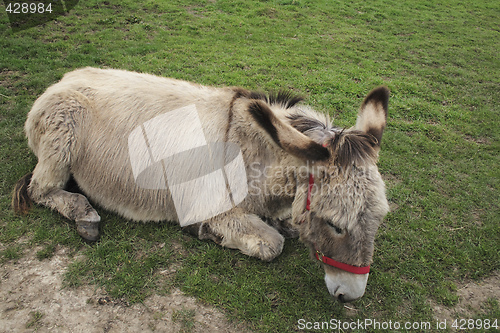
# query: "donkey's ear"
372,116
284,135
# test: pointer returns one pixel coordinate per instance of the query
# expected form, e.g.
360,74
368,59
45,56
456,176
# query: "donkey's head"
341,202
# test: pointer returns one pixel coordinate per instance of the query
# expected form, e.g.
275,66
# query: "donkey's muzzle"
345,286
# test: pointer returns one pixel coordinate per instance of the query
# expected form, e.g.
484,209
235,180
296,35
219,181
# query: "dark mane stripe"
303,123
284,98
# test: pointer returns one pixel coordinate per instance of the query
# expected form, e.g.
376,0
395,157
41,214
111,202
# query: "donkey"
304,177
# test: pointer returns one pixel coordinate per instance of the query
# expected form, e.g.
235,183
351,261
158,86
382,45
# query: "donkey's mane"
284,98
305,123
348,146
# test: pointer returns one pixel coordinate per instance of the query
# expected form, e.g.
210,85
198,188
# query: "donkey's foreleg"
239,230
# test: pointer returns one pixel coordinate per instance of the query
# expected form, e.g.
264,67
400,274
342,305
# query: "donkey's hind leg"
47,188
54,148
239,230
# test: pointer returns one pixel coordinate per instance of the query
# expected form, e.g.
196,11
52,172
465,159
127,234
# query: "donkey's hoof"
268,252
88,230
266,249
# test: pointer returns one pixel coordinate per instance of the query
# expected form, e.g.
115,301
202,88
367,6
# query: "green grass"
35,319
185,318
440,153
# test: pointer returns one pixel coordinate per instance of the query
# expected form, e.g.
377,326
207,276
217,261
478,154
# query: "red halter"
319,255
342,266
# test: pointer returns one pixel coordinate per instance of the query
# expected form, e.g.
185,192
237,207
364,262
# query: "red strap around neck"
342,266
309,190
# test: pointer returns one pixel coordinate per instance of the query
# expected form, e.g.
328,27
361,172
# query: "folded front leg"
237,229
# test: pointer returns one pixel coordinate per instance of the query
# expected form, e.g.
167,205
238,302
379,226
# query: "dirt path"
472,298
32,299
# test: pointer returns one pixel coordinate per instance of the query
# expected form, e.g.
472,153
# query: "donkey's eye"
334,227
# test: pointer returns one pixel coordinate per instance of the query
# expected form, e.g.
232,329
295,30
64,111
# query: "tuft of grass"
13,252
186,319
34,320
46,252
439,157
491,309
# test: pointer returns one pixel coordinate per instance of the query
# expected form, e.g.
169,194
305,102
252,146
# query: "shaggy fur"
79,127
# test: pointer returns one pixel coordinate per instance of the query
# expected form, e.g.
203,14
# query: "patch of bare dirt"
9,78
478,140
471,299
32,299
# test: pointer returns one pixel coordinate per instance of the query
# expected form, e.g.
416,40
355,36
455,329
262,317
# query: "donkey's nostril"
346,287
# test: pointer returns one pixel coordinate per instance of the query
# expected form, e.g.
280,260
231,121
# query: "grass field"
440,154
